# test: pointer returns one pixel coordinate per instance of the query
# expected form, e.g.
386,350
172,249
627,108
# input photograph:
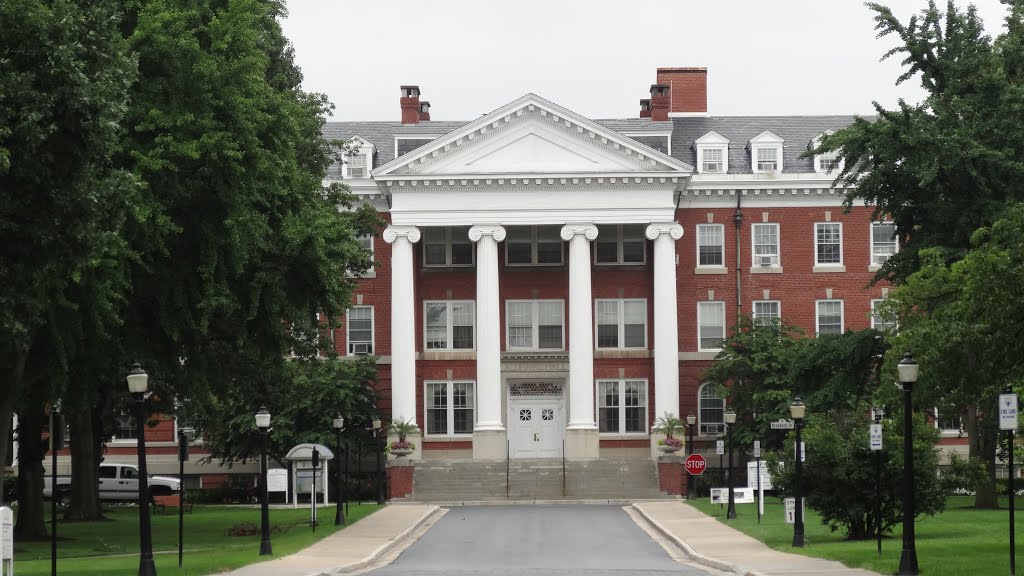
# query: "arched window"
711,404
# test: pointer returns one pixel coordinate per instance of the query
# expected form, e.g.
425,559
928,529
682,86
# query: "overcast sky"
598,58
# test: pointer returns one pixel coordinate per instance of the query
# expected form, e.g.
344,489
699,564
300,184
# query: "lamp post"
138,381
876,447
263,424
730,419
908,370
339,514
691,421
797,410
376,427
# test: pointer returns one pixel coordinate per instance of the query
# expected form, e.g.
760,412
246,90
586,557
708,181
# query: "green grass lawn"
112,547
959,542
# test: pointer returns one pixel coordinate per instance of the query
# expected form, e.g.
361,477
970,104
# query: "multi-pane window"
450,408
711,409
881,319
125,428
449,325
766,244
767,159
883,242
767,311
622,406
828,243
535,324
533,245
710,325
620,244
828,161
830,317
710,245
356,166
713,160
360,330
621,323
447,246
948,420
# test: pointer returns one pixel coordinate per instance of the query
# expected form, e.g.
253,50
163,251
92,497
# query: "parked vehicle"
117,482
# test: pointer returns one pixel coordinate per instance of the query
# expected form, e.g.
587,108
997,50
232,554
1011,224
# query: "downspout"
738,219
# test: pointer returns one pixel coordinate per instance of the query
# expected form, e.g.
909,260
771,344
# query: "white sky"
598,57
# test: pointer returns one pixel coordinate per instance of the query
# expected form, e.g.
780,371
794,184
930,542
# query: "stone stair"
535,479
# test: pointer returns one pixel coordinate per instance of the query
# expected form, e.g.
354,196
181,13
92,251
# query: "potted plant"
402,447
670,425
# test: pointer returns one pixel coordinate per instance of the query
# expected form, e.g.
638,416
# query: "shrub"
963,476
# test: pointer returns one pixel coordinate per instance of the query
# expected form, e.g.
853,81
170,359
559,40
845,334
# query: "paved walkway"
712,543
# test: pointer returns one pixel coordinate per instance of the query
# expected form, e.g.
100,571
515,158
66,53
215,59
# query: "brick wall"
688,88
399,481
670,475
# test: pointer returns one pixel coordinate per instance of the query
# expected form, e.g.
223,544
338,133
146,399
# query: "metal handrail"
563,467
508,453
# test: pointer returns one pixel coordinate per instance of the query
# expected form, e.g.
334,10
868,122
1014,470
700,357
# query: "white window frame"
114,439
701,423
766,141
350,349
712,141
425,139
621,323
721,230
535,250
827,265
758,318
817,315
876,318
605,230
534,324
451,232
701,324
449,335
776,258
643,398
874,266
833,156
948,432
449,408
360,149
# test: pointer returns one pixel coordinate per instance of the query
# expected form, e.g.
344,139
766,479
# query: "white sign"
803,450
1007,411
739,495
720,447
757,448
277,480
766,478
782,425
876,437
6,534
790,510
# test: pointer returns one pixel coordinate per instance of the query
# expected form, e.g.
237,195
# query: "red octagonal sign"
696,464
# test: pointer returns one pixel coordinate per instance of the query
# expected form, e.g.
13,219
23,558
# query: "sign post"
720,450
1008,422
7,541
760,489
182,458
875,443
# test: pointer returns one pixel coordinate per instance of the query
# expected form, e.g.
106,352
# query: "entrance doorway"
536,419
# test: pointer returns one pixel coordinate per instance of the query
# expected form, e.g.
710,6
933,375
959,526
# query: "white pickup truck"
117,482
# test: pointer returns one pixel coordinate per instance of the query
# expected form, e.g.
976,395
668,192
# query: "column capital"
392,233
658,228
478,231
585,228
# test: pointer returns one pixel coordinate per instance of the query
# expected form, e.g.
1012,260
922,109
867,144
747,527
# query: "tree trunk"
9,388
6,414
31,451
984,448
85,490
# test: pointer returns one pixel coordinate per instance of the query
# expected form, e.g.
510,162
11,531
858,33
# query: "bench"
170,500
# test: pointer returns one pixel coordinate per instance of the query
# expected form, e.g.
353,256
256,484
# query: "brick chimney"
410,104
659,102
688,90
645,108
424,111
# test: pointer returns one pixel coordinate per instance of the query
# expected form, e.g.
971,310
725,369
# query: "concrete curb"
384,548
690,552
560,502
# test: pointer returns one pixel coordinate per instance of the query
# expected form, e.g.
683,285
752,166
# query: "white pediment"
532,136
711,138
767,137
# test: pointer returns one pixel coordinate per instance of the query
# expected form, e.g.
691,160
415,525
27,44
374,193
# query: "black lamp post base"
798,539
731,514
146,567
908,563
265,548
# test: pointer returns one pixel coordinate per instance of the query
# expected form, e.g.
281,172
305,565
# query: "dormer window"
766,153
358,159
827,162
356,166
712,153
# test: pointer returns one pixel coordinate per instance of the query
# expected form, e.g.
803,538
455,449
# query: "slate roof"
797,131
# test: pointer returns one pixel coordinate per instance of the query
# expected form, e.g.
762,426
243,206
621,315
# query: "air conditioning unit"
356,172
361,348
765,260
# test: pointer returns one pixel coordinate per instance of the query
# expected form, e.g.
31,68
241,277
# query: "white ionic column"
581,327
666,327
403,315
488,326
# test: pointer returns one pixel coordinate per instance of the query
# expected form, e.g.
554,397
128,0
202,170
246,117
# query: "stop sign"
696,464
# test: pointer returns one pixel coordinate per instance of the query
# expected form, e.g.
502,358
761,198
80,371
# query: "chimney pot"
659,90
659,102
410,91
424,111
645,108
410,102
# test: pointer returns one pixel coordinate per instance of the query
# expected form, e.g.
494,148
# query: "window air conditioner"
357,172
361,348
765,261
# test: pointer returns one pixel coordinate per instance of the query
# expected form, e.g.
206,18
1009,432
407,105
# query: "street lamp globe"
908,369
138,380
730,417
338,422
797,409
376,424
263,418
691,419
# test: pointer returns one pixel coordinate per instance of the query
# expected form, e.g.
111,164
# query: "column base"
490,445
656,436
417,452
582,444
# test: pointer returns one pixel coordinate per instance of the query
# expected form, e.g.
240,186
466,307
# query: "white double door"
536,427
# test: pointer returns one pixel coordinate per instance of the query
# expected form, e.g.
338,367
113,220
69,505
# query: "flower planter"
399,452
668,449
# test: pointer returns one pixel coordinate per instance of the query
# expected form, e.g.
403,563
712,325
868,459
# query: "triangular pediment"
767,137
532,136
711,137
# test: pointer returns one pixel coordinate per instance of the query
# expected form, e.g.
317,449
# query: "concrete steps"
446,481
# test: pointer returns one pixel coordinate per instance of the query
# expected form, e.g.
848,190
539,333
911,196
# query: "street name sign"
782,425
